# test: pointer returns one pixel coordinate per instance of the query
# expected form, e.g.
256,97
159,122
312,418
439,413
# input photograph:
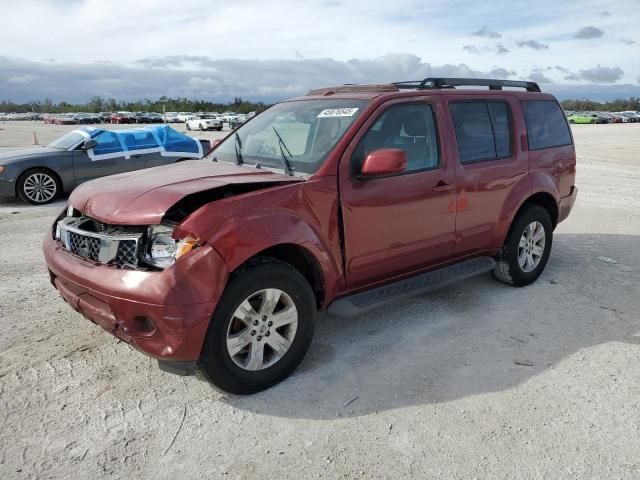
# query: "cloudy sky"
271,49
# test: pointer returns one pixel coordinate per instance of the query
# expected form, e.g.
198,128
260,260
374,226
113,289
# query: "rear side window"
546,124
483,130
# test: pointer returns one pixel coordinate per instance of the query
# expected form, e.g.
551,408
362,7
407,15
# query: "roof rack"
350,87
437,83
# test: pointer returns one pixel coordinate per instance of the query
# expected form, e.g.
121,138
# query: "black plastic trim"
177,368
373,298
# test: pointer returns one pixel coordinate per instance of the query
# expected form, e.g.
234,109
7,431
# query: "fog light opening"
143,325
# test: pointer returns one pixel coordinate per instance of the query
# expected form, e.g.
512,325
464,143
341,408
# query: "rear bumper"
163,314
566,204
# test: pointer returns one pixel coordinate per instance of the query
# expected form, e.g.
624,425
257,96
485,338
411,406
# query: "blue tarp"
159,138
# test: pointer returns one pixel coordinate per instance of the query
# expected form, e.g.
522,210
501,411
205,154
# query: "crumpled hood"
9,156
143,197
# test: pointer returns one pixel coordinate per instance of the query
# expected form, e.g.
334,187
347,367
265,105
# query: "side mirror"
386,161
89,144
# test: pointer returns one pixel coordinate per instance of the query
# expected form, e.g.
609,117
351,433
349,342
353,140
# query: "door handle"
443,187
138,155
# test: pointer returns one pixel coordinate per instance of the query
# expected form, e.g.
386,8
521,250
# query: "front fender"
60,164
239,228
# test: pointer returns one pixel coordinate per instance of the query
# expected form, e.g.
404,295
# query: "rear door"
398,224
490,166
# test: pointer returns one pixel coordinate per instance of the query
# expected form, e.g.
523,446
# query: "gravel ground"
477,380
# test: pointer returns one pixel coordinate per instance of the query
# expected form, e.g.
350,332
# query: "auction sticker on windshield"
337,112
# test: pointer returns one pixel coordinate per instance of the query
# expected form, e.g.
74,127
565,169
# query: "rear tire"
527,248
238,354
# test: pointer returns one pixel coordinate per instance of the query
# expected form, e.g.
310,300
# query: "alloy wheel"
40,187
531,246
262,329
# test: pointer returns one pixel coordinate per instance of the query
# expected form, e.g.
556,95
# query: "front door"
108,157
406,222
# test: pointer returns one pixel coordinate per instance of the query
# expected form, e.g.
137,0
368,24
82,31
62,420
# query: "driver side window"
409,127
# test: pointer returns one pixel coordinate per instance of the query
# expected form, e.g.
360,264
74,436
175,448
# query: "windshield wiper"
285,161
239,160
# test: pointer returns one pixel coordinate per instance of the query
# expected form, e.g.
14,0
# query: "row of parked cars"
192,121
603,117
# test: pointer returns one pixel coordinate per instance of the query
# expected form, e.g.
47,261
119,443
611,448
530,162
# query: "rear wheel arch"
546,201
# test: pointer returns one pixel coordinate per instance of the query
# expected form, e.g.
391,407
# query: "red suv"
339,201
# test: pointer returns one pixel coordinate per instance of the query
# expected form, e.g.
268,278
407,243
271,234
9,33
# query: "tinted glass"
139,140
408,127
501,128
474,134
107,143
546,125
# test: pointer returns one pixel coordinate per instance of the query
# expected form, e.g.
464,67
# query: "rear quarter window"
546,124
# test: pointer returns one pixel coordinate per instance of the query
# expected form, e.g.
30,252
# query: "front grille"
127,255
99,242
98,226
83,246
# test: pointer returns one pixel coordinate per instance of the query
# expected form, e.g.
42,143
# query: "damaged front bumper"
164,314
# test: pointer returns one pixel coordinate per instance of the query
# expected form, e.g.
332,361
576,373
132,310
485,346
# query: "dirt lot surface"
477,380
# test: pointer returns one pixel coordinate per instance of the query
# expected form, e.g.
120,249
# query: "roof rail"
351,88
437,82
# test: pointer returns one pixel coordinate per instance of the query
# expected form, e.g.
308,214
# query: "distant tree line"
99,104
618,105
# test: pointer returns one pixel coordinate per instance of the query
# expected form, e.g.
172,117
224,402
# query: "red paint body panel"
179,300
303,214
360,233
397,224
489,192
144,196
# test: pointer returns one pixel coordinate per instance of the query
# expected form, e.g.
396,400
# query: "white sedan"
184,116
204,123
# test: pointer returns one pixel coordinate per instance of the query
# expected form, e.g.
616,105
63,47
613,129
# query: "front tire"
187,126
261,329
39,186
527,248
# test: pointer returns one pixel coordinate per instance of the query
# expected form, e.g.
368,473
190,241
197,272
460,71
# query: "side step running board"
363,301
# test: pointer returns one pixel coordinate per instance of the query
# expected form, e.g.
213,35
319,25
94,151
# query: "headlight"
162,249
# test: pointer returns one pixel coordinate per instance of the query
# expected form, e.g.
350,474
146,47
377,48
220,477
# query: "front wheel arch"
299,258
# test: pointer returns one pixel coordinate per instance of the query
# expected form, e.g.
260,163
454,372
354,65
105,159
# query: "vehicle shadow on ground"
11,202
475,337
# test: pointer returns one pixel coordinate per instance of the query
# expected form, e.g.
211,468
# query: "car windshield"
301,133
67,141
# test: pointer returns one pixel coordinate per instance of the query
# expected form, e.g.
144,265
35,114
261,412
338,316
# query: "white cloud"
124,31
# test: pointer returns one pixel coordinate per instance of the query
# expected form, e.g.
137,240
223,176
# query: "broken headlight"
162,250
